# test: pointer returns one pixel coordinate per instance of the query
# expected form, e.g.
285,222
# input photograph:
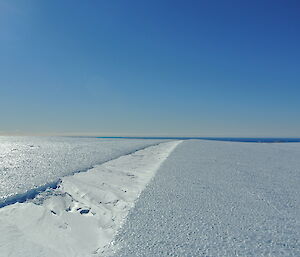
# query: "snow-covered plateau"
176,198
218,199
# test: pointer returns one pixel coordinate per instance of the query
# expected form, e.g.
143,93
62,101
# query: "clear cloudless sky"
167,67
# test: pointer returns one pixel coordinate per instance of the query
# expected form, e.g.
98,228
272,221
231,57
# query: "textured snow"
218,199
82,215
30,162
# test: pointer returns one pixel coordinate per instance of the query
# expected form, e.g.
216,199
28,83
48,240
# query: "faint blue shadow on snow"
31,194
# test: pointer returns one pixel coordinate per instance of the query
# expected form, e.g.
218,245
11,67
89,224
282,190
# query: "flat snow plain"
213,198
30,164
81,216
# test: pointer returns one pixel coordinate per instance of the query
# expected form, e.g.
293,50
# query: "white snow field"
81,216
31,164
208,198
213,198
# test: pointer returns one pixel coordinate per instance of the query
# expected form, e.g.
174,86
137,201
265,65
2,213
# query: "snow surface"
208,198
82,215
30,164
214,198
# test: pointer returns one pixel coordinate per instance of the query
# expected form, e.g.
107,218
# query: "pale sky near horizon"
163,68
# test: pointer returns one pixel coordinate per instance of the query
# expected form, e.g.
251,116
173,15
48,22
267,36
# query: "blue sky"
176,68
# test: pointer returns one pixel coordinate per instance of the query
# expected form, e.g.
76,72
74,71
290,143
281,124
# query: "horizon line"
158,136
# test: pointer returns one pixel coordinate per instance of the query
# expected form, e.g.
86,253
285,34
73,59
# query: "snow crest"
82,215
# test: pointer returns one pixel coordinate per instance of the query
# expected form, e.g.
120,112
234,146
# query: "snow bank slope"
83,214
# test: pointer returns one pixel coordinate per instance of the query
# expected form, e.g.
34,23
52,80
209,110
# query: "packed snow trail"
218,199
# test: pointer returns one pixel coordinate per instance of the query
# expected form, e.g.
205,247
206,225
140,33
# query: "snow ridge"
32,193
83,213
